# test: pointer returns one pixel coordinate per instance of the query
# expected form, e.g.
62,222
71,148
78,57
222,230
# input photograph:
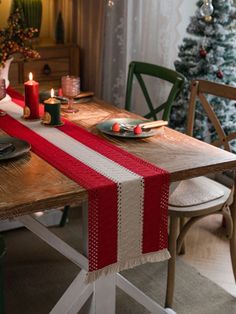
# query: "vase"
4,71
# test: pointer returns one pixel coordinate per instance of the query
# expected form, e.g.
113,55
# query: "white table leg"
74,297
169,311
140,296
104,296
54,241
103,290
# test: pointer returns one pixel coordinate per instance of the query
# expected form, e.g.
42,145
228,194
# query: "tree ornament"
202,53
207,8
208,18
219,74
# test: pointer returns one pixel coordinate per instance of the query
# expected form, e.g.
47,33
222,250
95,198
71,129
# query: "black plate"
19,147
106,127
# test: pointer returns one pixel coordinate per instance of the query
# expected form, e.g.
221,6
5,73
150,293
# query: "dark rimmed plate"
106,127
18,148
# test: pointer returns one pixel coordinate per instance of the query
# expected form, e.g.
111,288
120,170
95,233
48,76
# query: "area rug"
36,276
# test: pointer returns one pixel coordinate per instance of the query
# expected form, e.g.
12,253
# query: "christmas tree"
208,54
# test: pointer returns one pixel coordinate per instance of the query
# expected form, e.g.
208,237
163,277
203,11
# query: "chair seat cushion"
195,191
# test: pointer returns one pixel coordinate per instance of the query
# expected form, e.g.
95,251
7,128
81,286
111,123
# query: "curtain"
90,40
138,30
110,37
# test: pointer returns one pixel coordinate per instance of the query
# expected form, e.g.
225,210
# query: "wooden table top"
30,184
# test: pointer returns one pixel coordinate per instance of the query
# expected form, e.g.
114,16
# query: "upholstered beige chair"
199,197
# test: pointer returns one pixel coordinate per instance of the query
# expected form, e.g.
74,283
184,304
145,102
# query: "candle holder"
52,109
70,88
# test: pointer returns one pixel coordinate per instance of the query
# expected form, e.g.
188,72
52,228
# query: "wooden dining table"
29,184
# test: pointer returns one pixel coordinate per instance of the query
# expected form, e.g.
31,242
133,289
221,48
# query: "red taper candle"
31,109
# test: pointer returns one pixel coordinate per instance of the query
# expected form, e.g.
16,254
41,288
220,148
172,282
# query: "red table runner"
128,197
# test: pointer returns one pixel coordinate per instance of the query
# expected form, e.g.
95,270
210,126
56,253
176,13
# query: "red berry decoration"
138,130
116,127
202,53
219,74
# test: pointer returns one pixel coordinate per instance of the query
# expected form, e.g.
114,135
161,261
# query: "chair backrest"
138,69
199,89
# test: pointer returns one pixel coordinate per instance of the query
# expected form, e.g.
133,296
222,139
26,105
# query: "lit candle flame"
30,76
52,93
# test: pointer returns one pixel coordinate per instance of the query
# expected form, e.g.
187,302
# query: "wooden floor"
207,249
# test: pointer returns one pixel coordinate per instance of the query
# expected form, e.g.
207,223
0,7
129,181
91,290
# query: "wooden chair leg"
233,237
228,221
182,248
171,263
2,253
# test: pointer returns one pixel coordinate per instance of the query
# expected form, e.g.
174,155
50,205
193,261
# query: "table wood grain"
30,184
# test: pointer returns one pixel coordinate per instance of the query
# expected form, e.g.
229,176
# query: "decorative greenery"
16,4
208,53
15,38
31,11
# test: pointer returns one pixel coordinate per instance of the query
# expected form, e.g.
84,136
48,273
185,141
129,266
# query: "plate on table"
106,127
11,147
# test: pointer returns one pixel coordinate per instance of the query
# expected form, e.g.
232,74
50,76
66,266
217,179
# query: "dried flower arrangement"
15,38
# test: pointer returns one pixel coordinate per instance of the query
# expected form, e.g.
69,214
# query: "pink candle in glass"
31,109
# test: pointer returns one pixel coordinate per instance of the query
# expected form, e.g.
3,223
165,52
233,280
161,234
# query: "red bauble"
219,74
202,53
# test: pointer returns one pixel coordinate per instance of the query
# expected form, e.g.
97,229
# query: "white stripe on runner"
130,185
130,220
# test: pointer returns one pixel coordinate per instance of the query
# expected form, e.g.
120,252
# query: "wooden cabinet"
55,61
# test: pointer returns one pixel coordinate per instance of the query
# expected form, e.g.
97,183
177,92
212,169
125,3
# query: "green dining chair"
138,69
2,253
